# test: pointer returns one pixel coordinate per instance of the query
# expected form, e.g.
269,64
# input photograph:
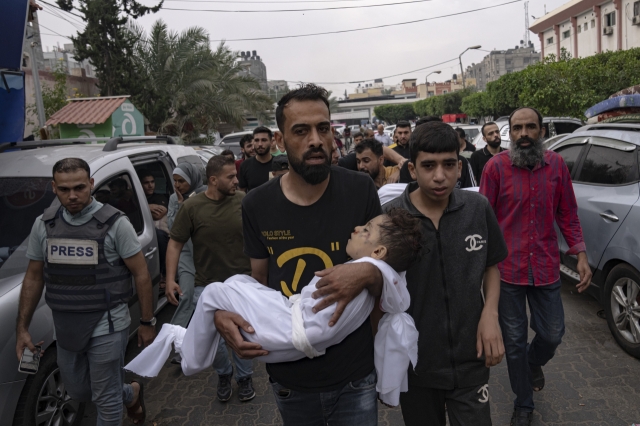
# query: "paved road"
591,381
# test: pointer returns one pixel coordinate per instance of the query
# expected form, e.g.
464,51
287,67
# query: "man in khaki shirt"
370,159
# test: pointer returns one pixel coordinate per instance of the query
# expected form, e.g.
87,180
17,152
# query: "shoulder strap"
51,212
106,212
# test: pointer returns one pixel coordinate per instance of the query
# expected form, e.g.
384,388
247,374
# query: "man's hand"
157,211
146,335
23,340
585,272
489,339
394,178
341,284
228,325
170,289
401,163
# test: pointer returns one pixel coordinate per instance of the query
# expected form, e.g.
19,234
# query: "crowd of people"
284,214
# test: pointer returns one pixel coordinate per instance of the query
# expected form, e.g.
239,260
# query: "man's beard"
261,151
373,174
529,156
495,144
315,174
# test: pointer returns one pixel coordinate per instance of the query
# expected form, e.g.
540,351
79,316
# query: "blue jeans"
97,374
356,404
221,363
547,320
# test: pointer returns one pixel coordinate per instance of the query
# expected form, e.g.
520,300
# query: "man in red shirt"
529,188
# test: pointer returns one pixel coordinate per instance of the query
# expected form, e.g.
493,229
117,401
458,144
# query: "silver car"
25,191
603,161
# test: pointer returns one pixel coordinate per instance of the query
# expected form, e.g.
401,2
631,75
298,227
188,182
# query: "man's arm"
138,267
260,270
489,337
171,264
30,295
393,156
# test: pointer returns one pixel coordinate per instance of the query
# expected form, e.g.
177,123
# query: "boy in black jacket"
460,336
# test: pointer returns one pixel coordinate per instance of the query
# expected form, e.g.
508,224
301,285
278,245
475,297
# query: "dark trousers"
547,320
163,243
356,404
465,406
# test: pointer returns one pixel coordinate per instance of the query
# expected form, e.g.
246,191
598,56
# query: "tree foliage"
106,41
449,103
394,113
186,88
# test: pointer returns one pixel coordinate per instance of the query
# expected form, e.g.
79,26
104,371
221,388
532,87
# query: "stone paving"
591,381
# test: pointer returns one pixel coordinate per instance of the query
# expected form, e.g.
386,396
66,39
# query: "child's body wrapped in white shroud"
289,330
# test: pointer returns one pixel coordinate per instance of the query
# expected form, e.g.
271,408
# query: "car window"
164,183
565,127
609,166
23,200
570,154
120,193
231,139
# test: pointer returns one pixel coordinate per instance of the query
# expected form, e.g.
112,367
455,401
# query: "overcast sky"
347,57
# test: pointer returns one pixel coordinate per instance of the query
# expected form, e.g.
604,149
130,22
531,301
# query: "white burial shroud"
289,329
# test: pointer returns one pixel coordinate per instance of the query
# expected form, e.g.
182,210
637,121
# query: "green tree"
440,105
107,42
53,98
188,89
394,113
476,105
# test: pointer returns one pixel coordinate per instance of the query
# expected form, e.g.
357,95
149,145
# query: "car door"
571,150
606,187
140,219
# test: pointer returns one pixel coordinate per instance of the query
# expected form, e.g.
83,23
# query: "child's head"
394,237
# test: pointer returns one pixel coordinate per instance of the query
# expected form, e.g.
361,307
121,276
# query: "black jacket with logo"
445,287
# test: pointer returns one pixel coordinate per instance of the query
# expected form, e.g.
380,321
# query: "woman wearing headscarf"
187,180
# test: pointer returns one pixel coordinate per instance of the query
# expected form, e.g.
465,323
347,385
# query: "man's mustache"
314,151
523,139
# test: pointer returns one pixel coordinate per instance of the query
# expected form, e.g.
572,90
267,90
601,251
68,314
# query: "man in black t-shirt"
290,233
255,170
401,136
158,204
479,159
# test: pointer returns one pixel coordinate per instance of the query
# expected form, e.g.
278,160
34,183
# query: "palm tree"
188,89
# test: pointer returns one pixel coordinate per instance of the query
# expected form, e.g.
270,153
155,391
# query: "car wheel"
44,399
622,305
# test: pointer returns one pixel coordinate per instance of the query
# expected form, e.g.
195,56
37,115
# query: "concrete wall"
587,39
630,33
610,42
550,48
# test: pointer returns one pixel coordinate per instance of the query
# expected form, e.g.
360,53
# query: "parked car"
603,161
553,125
25,191
232,142
389,130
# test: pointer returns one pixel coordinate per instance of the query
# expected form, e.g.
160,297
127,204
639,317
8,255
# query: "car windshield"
22,200
229,139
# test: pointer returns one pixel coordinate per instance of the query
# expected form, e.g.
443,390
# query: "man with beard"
255,171
290,234
491,135
349,161
370,161
212,220
528,188
246,147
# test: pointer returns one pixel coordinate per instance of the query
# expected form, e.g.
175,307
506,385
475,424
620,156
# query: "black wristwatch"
150,323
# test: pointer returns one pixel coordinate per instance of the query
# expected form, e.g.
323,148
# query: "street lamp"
435,72
464,86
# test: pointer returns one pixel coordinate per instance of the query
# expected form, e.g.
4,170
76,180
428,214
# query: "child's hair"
401,234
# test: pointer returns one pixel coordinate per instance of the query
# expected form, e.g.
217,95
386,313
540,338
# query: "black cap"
279,163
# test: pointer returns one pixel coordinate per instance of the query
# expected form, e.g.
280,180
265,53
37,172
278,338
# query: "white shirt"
384,139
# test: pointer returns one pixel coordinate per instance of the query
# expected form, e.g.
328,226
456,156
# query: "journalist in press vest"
84,254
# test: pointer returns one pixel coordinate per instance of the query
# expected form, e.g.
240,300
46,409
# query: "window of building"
610,19
444,92
579,29
525,60
593,23
586,26
636,8
550,40
566,34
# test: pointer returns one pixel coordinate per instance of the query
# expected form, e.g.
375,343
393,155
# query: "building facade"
253,66
501,62
588,27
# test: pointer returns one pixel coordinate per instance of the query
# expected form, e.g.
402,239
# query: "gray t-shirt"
120,242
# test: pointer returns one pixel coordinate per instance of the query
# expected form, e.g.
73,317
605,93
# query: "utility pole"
36,82
526,24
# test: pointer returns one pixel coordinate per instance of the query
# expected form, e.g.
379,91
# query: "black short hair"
372,144
358,135
403,124
228,152
428,119
144,173
532,109
216,163
305,92
262,129
433,137
401,234
461,133
245,139
68,165
487,124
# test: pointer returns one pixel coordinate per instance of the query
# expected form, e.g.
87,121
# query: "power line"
367,6
371,28
70,13
371,79
56,33
64,19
